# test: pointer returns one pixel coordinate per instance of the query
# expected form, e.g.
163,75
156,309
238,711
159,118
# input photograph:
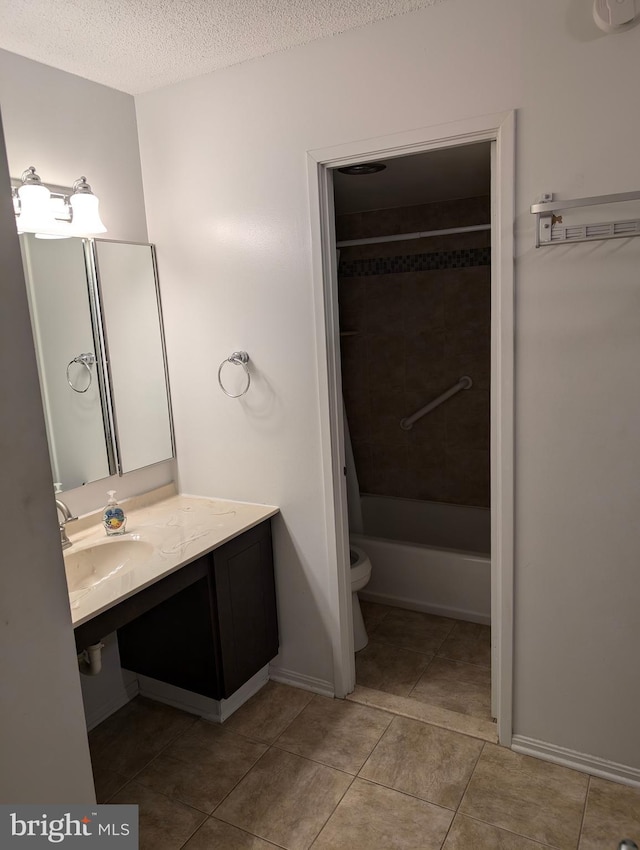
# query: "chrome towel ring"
238,358
87,360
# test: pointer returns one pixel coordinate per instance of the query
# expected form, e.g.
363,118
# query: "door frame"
500,130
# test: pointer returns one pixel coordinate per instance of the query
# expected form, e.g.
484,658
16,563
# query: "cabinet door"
244,588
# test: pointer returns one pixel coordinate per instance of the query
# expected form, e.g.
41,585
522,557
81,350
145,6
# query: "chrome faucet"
66,517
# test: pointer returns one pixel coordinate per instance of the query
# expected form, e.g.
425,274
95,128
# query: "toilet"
360,575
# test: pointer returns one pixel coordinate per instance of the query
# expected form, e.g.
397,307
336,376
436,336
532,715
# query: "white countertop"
178,528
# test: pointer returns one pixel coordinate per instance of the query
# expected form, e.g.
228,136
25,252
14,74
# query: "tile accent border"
459,259
584,762
299,680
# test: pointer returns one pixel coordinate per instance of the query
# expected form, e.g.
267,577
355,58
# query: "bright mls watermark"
69,826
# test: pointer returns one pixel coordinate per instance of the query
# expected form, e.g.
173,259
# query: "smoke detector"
616,15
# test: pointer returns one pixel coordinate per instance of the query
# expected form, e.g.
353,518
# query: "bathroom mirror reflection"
97,328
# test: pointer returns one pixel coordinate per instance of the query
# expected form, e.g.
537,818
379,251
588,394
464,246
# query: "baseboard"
412,605
131,690
216,711
583,762
299,680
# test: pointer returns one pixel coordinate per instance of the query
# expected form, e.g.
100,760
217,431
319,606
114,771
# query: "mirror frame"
96,300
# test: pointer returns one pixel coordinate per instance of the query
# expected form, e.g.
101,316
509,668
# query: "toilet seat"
360,568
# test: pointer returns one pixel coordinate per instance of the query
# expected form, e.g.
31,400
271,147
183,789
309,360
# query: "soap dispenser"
113,517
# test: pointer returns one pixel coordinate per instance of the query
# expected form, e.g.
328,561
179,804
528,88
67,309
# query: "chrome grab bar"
465,383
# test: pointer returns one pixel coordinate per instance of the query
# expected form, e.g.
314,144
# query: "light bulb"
85,218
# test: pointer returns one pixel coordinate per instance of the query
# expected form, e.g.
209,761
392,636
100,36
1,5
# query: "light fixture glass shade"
85,216
35,210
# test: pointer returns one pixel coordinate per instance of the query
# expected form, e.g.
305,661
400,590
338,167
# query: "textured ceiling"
138,45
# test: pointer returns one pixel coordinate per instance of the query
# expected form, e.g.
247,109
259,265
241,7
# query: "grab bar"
465,383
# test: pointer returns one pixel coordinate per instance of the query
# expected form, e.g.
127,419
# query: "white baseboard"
105,710
412,605
299,680
216,711
578,761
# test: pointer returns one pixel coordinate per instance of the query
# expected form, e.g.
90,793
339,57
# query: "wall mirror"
97,328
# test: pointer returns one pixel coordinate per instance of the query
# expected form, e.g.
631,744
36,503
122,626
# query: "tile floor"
435,660
296,770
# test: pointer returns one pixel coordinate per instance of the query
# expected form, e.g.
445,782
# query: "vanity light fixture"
56,212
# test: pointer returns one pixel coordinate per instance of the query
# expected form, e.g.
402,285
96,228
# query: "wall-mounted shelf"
551,230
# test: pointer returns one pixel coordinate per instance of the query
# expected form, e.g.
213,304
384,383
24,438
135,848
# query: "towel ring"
238,358
87,360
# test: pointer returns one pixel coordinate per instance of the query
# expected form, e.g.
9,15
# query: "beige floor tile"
469,834
130,738
266,715
414,630
431,763
202,766
534,798
613,813
456,686
285,799
373,614
216,835
469,642
370,817
416,710
389,668
164,824
107,783
337,733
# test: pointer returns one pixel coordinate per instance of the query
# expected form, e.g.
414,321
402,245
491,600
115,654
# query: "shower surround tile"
416,333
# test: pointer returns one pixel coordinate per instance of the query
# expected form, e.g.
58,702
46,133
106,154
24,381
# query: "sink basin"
89,567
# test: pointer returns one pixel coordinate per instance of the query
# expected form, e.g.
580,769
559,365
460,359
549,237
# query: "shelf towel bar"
550,229
465,383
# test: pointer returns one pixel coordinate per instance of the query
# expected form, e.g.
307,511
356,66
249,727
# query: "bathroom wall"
45,754
415,316
67,126
237,272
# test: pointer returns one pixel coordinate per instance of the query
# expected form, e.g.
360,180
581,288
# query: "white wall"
45,755
224,170
67,126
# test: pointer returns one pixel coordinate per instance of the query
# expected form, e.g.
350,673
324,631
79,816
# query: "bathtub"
428,556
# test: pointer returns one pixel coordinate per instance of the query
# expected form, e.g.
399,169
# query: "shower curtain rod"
402,237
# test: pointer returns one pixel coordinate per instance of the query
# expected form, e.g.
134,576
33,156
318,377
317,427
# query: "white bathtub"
428,556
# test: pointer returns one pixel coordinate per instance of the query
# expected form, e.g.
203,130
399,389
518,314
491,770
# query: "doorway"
497,133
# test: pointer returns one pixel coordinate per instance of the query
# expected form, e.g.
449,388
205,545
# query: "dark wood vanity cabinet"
209,626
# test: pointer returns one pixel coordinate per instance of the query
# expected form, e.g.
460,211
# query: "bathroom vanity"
189,589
